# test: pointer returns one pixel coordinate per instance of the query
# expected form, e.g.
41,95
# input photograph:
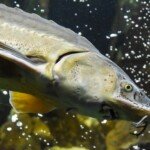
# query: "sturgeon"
47,66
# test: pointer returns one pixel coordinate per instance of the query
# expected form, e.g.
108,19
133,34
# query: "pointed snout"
146,104
147,101
132,110
141,107
142,103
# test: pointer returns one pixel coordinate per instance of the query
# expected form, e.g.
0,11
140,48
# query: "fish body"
64,69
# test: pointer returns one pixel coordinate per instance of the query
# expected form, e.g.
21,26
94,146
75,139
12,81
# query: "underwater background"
120,29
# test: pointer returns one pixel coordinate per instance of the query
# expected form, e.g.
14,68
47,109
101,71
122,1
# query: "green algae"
58,130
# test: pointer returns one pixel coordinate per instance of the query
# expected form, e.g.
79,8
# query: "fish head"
97,87
129,100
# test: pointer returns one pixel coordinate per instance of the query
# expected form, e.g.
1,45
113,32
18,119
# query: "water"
120,30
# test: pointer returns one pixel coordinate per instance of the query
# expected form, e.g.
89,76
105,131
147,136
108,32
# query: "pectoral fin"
9,54
26,103
21,71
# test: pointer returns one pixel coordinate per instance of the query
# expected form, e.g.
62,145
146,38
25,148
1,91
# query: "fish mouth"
109,111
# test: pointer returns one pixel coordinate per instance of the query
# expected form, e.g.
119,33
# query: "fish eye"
128,87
